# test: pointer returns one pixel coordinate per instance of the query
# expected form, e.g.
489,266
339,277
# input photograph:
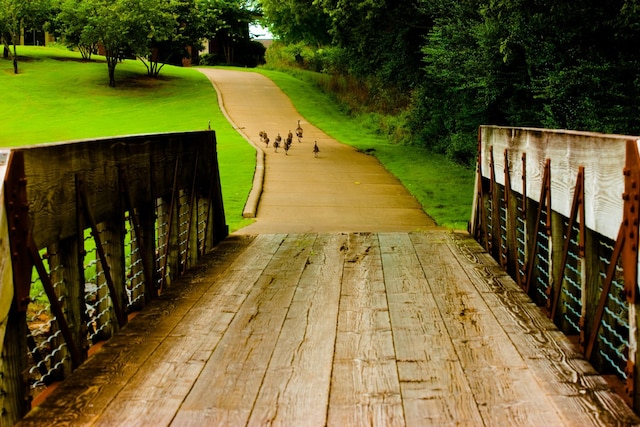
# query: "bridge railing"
559,211
90,231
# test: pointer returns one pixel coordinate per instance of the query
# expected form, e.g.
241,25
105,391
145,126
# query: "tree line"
155,31
462,63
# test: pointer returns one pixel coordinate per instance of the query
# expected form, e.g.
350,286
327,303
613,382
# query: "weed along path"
340,190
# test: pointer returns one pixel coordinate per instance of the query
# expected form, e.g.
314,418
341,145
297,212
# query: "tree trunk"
112,61
15,60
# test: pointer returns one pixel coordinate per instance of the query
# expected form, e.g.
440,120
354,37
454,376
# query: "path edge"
253,199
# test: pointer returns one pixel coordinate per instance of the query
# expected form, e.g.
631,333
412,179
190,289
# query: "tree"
381,37
454,96
295,21
125,27
227,22
71,21
17,15
580,61
183,31
528,63
234,29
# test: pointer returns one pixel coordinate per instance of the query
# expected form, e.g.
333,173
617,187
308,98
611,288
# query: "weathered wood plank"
180,358
503,386
10,402
239,363
603,157
577,391
364,387
148,159
434,389
295,390
342,329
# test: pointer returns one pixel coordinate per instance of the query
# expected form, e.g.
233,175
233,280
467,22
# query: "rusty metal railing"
91,231
559,211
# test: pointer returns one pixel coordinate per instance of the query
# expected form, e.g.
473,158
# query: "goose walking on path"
264,138
316,149
299,132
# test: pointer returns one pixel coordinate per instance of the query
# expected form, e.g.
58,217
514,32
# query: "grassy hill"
57,97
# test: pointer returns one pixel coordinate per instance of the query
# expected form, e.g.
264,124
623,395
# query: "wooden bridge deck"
339,329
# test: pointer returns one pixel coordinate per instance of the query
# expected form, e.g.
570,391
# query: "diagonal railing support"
544,206
86,212
577,214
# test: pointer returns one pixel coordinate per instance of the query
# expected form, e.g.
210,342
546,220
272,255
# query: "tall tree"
227,21
122,27
295,21
182,32
381,37
71,20
17,15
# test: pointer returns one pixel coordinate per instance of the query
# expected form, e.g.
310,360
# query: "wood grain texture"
6,273
238,365
92,390
365,389
555,362
295,390
434,389
362,329
603,157
149,162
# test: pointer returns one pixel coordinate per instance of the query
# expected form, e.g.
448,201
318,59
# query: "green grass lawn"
58,97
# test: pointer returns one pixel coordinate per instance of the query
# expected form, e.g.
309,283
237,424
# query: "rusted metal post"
544,205
16,400
629,255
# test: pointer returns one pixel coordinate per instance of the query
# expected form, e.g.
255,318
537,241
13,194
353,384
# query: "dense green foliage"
460,64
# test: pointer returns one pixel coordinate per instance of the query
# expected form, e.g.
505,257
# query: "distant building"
36,38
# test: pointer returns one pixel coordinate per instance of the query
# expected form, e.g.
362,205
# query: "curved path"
342,190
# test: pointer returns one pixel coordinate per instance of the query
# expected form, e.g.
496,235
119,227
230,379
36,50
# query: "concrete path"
342,190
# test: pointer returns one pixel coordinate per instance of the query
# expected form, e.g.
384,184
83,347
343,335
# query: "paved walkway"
342,190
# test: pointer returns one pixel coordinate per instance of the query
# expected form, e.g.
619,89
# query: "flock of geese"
286,144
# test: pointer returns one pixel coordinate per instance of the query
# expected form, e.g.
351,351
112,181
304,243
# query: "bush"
210,59
250,53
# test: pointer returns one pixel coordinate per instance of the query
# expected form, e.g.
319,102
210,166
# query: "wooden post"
15,398
556,276
173,254
75,306
57,278
220,228
147,215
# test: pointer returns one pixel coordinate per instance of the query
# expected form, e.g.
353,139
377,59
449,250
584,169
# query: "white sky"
258,32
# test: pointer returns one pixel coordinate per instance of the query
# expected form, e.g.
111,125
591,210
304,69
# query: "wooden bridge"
125,301
152,315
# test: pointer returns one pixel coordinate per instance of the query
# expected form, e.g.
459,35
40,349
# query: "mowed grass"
58,97
444,188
